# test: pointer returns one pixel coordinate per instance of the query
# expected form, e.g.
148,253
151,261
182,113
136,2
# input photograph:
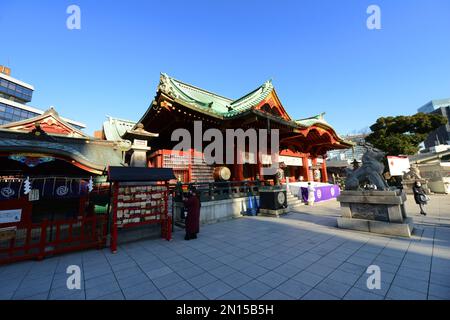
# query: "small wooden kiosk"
140,197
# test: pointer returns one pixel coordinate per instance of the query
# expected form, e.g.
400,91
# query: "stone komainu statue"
279,175
413,174
371,171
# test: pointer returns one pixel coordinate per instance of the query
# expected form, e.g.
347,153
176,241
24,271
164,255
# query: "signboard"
398,166
291,161
287,160
266,159
140,143
10,216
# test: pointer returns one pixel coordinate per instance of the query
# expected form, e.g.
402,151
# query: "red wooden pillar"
306,173
292,174
324,171
167,222
191,159
238,169
259,167
43,240
114,220
82,207
238,172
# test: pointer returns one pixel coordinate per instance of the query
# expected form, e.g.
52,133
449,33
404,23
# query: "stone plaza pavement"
299,256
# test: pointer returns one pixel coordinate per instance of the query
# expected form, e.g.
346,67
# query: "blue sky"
319,53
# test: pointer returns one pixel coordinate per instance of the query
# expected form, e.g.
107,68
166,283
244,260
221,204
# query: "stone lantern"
139,148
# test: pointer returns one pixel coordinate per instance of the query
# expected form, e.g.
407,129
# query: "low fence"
213,191
38,240
220,200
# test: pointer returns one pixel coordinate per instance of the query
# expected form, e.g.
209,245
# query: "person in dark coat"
192,204
420,197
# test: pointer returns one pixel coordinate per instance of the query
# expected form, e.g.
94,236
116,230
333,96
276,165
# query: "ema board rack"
140,197
138,205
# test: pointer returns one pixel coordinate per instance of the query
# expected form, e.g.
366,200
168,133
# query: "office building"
14,98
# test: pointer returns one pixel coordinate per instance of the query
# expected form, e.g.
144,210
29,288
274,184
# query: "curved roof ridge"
320,117
182,83
111,118
265,88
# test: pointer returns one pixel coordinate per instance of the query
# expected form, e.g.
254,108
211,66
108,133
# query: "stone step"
291,195
295,203
295,206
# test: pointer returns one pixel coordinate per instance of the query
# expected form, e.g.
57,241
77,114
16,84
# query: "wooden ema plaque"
138,205
8,233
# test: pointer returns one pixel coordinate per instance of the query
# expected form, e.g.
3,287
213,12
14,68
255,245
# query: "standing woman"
420,196
311,195
192,204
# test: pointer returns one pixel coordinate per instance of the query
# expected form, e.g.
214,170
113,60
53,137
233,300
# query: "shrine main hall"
303,143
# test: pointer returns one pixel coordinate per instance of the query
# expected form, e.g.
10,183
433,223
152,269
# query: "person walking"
420,197
311,196
192,204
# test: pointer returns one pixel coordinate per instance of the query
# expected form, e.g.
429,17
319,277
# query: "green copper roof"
115,128
308,122
320,120
210,102
225,108
252,99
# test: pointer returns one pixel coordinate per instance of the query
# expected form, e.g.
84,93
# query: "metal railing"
213,191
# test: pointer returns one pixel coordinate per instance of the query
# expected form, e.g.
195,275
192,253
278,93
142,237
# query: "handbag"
184,213
423,198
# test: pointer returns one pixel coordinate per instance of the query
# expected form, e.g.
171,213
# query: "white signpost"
398,166
291,161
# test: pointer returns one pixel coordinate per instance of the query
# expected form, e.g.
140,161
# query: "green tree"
402,135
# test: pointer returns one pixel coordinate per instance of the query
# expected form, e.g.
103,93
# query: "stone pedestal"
375,211
273,201
273,213
139,157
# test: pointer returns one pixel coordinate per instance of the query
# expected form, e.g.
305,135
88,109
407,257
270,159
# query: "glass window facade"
11,114
9,88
